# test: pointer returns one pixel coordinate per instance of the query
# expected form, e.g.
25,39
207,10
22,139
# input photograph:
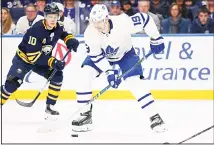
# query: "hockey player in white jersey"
108,41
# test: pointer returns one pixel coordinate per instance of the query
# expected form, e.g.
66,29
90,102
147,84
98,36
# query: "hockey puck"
166,143
74,135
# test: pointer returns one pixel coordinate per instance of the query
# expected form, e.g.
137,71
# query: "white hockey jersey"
118,42
23,24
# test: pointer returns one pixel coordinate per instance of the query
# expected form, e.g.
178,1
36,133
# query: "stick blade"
24,104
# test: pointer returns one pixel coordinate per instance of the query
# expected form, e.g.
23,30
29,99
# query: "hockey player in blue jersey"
34,53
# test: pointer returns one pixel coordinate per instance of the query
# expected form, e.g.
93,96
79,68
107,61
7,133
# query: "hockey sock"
141,93
4,95
53,92
7,90
83,98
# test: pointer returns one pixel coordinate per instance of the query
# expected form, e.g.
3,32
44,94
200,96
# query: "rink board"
125,95
183,71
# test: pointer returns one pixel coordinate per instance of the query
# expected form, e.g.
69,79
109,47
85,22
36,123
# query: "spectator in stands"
7,25
160,7
85,9
25,22
40,5
175,23
69,9
203,24
144,6
134,4
127,7
69,24
210,6
192,9
182,8
115,8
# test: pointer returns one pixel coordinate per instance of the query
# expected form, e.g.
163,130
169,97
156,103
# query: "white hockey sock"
83,98
84,88
142,94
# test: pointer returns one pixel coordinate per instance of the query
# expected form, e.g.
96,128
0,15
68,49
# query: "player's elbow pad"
101,62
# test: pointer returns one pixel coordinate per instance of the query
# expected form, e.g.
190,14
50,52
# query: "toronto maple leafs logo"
110,51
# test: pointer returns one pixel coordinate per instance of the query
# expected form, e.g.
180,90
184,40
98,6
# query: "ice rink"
114,122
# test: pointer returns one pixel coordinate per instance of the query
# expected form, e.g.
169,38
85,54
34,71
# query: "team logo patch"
110,51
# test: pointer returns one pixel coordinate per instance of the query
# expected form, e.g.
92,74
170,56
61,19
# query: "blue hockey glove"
73,44
157,45
112,76
56,64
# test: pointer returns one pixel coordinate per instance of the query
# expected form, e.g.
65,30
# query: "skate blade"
83,128
50,117
160,128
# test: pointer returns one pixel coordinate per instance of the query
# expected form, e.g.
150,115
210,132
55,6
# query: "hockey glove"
112,77
73,44
56,64
157,45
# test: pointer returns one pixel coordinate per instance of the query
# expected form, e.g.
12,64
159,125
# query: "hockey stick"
24,104
107,87
194,135
54,126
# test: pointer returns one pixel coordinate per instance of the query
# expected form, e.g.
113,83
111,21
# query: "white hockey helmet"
98,12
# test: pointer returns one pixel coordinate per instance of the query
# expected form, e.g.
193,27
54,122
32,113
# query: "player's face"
99,25
203,17
51,20
4,15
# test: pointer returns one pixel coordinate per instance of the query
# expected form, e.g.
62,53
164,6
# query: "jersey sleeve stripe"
33,53
28,58
147,20
50,61
68,37
96,55
98,59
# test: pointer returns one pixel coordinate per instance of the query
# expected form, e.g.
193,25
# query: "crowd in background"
170,16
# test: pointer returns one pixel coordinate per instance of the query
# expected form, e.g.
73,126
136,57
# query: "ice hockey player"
108,42
35,53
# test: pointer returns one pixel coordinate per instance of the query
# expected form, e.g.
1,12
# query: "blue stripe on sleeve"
99,59
96,55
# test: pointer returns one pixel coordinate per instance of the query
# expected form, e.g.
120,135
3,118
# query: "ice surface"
113,121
